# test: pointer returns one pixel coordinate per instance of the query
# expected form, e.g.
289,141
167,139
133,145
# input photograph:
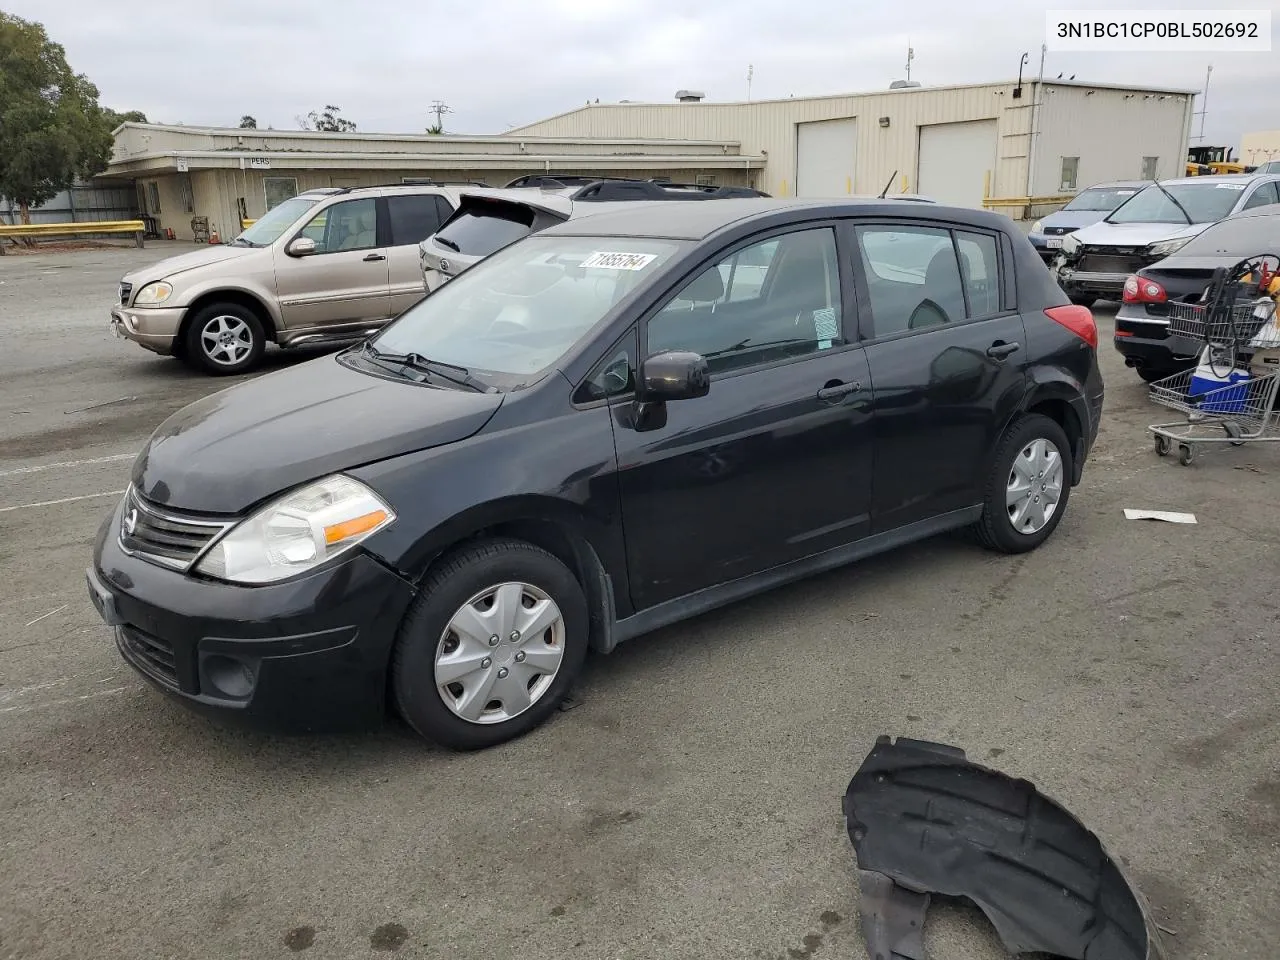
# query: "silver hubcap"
1035,486
226,340
500,653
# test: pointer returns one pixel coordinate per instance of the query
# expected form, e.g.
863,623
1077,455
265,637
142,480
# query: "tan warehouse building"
993,144
956,144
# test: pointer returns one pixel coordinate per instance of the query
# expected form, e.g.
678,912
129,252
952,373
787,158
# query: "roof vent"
904,84
689,96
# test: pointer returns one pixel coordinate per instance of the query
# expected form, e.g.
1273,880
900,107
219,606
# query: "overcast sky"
500,63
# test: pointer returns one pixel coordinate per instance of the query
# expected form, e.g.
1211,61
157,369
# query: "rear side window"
413,219
980,271
480,229
913,278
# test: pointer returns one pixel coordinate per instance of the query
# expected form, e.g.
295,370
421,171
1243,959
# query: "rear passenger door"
947,350
411,218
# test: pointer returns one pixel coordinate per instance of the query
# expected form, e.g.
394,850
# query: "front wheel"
1028,486
491,646
224,339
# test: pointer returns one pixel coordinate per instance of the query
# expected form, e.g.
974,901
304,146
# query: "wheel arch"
1057,400
554,525
243,298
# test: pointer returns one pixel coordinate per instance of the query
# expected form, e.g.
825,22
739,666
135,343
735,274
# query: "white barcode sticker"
604,260
825,326
1230,186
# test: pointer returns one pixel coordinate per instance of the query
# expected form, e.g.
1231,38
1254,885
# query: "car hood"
169,266
1103,234
1073,218
232,449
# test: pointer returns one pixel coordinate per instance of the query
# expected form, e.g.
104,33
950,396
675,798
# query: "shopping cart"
1226,398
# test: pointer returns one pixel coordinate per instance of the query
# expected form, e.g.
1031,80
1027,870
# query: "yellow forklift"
1207,161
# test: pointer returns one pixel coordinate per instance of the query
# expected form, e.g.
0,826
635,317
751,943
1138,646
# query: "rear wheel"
224,339
1028,486
490,648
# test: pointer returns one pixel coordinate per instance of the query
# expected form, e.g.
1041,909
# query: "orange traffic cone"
213,237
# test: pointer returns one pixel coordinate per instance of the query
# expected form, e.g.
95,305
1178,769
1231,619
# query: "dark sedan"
609,426
1142,325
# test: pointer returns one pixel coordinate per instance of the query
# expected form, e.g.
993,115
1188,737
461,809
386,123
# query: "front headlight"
1070,244
153,293
299,531
1165,247
1037,227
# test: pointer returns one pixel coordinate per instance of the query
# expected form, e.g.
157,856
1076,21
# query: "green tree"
51,126
112,119
329,121
248,123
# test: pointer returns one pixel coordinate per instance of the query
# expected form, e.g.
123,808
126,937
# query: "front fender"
263,293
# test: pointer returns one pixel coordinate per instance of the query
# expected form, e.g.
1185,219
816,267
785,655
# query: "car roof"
696,221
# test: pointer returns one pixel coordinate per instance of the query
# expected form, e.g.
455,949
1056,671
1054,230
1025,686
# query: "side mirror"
301,247
674,375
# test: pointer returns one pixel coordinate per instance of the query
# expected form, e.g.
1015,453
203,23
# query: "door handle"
999,350
835,391
374,256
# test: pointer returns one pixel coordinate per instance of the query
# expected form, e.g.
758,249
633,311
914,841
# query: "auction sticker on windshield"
619,261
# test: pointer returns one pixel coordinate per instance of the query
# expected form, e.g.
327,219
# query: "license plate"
117,325
1053,243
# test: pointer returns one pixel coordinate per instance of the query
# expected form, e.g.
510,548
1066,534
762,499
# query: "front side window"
788,304
1263,196
349,225
913,277
613,376
522,309
1203,202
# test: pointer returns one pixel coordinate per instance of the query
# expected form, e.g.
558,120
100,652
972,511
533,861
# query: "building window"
1070,168
1149,165
705,180
279,189
153,198
188,197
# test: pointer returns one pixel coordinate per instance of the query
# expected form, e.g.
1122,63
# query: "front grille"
126,291
164,537
1059,231
1110,263
149,654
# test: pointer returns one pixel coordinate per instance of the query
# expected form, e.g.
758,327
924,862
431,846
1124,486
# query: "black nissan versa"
620,422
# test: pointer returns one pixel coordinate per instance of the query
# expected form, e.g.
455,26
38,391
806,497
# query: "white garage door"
955,159
824,157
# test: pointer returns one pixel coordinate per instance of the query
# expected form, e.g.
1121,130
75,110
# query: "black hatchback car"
612,425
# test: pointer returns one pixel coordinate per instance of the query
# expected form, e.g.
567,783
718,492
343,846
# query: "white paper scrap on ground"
1165,515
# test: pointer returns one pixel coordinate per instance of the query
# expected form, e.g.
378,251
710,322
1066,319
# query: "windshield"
1101,199
1204,202
521,309
1237,238
277,220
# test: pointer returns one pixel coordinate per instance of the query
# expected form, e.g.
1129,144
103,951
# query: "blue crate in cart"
1221,393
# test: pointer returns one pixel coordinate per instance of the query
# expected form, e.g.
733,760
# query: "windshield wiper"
445,371
449,243
1181,209
242,242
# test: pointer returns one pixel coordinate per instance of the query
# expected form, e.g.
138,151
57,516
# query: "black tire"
995,530
232,316
446,589
1083,300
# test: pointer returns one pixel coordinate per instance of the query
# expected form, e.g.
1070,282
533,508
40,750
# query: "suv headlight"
1165,247
153,293
297,532
1070,244
1037,227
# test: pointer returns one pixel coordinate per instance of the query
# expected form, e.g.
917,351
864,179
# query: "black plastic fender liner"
924,819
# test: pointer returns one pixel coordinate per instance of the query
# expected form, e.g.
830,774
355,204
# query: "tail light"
1079,320
1143,290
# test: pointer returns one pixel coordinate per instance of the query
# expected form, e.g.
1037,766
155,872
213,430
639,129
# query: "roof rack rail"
605,190
407,182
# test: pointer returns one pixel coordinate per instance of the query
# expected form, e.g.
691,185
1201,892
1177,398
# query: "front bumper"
308,654
1105,285
155,328
1048,247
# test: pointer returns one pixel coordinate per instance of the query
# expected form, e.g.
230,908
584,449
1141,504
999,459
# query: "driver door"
345,281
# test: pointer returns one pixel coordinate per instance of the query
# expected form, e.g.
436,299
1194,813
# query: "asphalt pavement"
690,806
